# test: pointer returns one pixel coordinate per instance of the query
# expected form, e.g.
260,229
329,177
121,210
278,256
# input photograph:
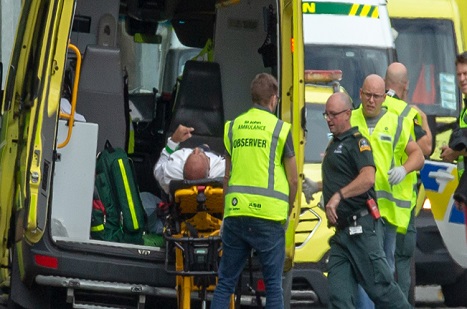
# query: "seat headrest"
199,104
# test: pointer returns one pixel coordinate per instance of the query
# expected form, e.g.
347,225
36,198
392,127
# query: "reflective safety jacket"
258,185
462,124
388,141
403,109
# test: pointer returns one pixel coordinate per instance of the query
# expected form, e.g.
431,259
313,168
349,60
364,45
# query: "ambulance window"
356,62
427,48
141,61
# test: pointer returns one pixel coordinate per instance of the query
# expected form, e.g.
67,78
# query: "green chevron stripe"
332,8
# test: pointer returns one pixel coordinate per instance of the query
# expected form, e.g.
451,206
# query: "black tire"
455,294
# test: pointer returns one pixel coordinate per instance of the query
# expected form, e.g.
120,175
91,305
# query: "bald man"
397,86
186,163
356,254
396,155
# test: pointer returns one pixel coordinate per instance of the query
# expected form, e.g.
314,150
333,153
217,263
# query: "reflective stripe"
231,136
269,191
97,228
396,138
272,154
334,8
128,194
462,124
390,197
258,191
406,111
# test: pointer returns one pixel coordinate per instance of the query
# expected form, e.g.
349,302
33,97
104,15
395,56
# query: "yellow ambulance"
102,55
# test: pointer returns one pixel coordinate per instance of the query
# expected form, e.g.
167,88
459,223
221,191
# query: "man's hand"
396,175
182,134
309,187
448,154
331,209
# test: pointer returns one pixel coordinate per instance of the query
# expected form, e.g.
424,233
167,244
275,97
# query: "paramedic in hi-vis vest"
260,185
396,155
397,87
448,154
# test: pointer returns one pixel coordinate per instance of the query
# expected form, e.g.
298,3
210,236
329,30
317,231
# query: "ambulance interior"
125,89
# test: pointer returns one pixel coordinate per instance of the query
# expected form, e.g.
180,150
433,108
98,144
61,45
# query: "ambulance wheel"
455,294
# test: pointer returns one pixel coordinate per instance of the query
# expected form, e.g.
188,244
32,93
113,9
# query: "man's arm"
292,178
425,141
415,158
161,164
414,162
361,184
449,155
181,134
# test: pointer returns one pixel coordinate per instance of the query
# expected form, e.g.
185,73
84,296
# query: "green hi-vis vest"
388,141
404,110
258,185
462,124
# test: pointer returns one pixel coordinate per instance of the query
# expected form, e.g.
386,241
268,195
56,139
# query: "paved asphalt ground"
429,297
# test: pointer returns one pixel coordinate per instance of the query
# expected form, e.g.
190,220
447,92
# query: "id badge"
355,230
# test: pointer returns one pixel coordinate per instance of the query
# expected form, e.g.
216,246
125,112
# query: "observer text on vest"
249,142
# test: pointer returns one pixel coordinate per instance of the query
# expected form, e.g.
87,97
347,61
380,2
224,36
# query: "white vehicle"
352,36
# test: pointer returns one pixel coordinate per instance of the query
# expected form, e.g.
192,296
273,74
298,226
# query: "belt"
352,218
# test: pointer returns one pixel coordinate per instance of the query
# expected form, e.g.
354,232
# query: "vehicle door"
29,114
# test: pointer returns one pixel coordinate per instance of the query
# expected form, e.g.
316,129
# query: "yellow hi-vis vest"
258,185
404,110
462,124
388,141
401,108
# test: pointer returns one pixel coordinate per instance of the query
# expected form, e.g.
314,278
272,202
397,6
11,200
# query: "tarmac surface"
430,297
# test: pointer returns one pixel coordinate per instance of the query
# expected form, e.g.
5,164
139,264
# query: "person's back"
397,88
260,185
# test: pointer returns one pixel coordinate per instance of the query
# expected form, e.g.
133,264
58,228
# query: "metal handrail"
74,96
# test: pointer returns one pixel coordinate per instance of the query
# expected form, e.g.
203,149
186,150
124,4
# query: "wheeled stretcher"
192,234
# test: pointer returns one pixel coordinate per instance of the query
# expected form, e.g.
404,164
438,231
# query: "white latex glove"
309,187
396,175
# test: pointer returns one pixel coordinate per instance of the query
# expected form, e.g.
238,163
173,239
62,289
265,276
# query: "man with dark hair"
449,154
260,185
